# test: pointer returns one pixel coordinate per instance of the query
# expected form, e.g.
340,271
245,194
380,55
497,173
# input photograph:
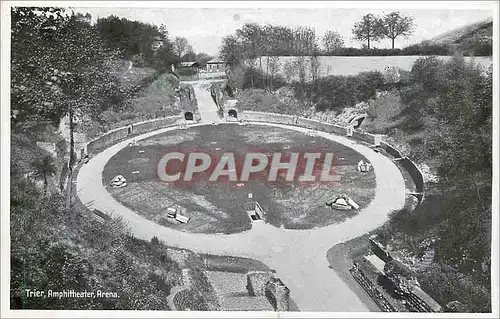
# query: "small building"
188,69
216,65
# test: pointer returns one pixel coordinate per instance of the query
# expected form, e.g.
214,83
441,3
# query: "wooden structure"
216,65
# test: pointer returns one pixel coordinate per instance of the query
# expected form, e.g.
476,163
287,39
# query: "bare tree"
274,67
290,69
180,46
394,25
332,41
315,68
368,29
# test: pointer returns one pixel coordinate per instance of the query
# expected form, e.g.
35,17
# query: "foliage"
255,79
332,41
253,41
446,284
338,92
395,24
444,116
58,61
262,101
202,59
181,46
43,168
368,29
134,39
52,249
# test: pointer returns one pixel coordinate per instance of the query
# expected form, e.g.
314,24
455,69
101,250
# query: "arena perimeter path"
298,256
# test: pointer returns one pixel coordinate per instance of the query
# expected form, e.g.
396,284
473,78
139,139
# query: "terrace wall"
121,133
114,136
405,163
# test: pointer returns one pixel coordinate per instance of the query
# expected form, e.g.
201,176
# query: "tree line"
63,66
136,41
253,40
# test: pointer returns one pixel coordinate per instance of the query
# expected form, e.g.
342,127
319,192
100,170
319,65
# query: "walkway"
206,105
298,256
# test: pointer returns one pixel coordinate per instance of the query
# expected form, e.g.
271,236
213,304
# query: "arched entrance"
188,116
357,120
233,113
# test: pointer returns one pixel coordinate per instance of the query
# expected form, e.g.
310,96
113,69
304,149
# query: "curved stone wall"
406,163
113,136
121,133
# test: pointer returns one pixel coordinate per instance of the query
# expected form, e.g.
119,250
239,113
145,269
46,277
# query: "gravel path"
298,256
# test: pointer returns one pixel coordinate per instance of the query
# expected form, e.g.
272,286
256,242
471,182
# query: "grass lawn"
218,207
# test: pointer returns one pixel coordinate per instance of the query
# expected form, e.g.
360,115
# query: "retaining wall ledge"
405,163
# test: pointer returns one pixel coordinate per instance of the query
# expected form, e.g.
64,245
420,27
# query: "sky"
205,27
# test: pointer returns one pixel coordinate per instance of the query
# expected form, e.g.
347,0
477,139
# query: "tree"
394,25
332,41
202,59
315,69
232,50
43,168
189,56
60,67
180,46
368,29
132,38
274,67
290,69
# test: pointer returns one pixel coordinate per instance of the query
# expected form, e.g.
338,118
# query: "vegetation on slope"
61,67
443,118
440,115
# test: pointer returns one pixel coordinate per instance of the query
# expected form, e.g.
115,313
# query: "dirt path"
206,105
298,256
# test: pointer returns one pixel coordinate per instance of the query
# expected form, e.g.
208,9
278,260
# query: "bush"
368,85
155,240
336,92
59,250
262,101
253,78
445,284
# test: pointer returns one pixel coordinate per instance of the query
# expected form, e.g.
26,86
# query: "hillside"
442,120
439,114
458,35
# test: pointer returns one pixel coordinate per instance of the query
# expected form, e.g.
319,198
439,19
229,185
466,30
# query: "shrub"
368,85
155,240
254,78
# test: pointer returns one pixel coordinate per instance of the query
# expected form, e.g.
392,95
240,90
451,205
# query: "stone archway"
357,120
188,116
232,113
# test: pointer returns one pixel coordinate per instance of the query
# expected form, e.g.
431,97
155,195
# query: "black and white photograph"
249,159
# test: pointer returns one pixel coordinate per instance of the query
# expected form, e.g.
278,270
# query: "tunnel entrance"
356,121
188,116
233,113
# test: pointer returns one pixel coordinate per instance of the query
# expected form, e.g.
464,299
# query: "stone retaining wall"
121,133
113,136
406,163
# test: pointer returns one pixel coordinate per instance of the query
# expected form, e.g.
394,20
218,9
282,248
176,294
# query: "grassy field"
218,207
342,65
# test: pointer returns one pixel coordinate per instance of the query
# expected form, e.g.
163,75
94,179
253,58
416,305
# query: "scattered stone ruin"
265,283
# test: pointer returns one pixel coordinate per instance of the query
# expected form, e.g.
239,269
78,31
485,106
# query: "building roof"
189,64
215,61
